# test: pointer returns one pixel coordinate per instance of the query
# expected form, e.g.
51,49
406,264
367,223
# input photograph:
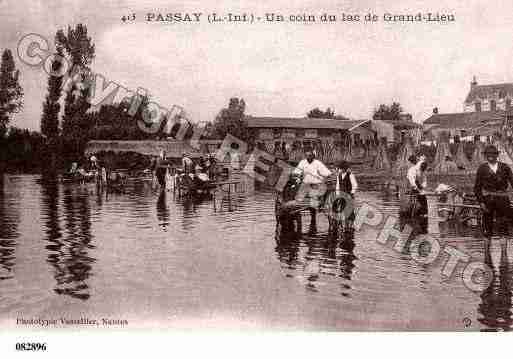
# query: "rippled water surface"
155,261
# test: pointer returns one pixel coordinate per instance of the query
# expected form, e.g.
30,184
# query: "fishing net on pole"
441,165
504,156
461,158
327,152
478,157
381,161
402,164
347,151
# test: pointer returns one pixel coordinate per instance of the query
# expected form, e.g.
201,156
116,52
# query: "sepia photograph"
258,167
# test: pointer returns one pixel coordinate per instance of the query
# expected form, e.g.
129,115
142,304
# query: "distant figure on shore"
492,180
313,174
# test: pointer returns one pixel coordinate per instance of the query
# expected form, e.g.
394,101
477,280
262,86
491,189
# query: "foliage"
51,105
318,113
388,113
22,150
113,122
11,93
230,120
77,44
76,122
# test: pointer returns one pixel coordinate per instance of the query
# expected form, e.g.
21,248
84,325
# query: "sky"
280,69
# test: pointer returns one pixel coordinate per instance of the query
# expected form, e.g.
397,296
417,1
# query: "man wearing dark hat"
490,188
346,183
346,179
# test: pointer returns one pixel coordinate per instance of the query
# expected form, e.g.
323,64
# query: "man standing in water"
313,172
188,165
161,166
417,181
346,183
492,179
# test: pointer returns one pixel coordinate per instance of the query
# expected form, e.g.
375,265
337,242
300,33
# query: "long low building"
305,130
173,148
465,125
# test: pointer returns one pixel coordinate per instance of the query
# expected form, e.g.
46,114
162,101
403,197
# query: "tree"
317,113
76,123
51,106
77,44
388,113
11,93
231,120
79,49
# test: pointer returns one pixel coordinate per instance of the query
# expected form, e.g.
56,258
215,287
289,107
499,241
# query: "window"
493,105
508,104
478,106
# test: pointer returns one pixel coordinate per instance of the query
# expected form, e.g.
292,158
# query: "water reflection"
68,249
162,211
9,219
347,282
495,306
317,258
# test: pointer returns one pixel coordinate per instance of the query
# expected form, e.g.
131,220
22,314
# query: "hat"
491,149
344,165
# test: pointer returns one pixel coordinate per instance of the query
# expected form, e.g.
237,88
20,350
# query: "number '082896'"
31,346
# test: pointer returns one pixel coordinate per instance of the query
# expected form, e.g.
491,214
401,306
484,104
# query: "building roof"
404,124
481,92
307,123
174,149
465,120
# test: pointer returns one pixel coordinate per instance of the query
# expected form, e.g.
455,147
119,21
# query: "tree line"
68,121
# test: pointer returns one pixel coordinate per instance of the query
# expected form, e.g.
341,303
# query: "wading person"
492,180
187,164
346,183
161,169
417,182
313,172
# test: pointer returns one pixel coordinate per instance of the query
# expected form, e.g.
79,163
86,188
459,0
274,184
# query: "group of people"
199,171
490,188
88,170
313,173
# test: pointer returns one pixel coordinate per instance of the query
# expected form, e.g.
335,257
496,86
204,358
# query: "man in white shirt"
314,172
417,180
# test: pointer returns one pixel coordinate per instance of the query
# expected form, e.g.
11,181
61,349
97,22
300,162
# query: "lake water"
154,261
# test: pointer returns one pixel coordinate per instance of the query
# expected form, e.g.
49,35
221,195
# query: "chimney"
435,110
473,83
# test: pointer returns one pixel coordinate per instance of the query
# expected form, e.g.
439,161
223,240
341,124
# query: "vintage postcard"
299,166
